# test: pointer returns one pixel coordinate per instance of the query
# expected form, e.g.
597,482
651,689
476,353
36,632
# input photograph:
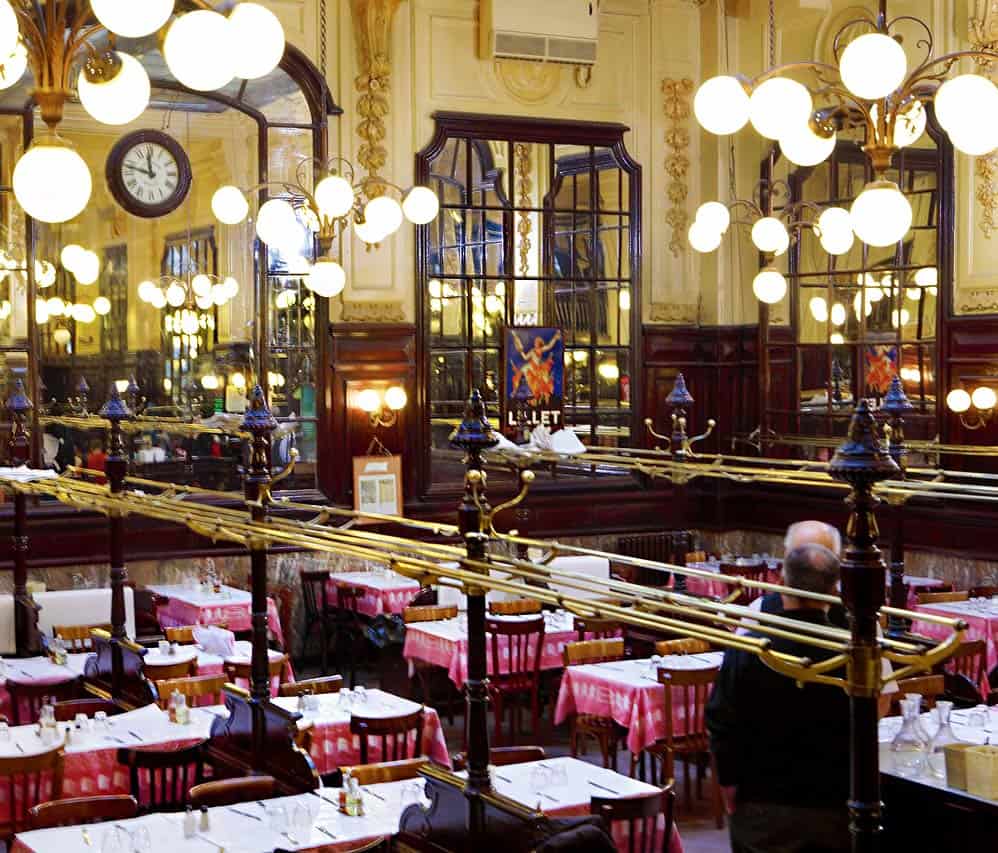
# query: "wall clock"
148,173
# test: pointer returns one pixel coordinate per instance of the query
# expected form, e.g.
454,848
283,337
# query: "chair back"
78,637
347,598
682,646
27,698
313,591
387,771
696,557
67,711
227,792
649,818
930,687
752,572
26,781
941,597
591,628
688,689
312,686
83,810
400,737
192,688
593,651
170,671
426,597
160,780
988,591
524,642
500,756
182,635
430,613
276,668
515,607
971,660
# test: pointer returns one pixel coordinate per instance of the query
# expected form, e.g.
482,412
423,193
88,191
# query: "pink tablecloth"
187,607
37,670
383,594
982,624
627,692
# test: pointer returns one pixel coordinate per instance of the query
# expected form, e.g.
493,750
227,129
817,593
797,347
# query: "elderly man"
782,751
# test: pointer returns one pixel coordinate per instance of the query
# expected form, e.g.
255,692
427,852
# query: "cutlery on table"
290,838
19,747
220,847
325,831
137,737
549,797
86,837
246,814
504,778
603,787
376,796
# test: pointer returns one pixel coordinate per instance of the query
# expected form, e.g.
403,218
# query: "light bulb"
769,234
927,277
958,401
624,299
56,307
838,314
836,232
9,30
714,216
84,313
874,294
368,233
872,66
421,205
961,101
977,140
218,295
702,237
87,267
900,317
157,298
229,205
396,398
204,302
803,147
608,370
201,284
862,307
385,214
175,295
200,51
326,278
334,197
819,308
721,105
231,287
369,400
102,305
146,290
210,382
984,398
51,181
836,338
70,256
41,311
122,98
779,105
909,123
61,336
189,323
132,18
880,215
769,286
258,40
237,380
45,274
14,66
275,222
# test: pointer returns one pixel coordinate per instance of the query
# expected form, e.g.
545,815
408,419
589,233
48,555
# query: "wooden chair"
227,792
27,698
160,780
987,591
682,646
349,628
501,756
83,810
930,687
606,732
304,737
643,815
941,597
182,635
78,637
696,557
751,572
170,671
432,680
394,733
517,675
596,629
147,604
276,668
318,610
66,711
685,732
386,771
25,782
971,661
192,688
312,686
515,607
429,613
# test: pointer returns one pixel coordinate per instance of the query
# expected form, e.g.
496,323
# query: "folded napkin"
215,641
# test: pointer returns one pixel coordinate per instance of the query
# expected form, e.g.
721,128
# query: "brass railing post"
115,411
896,405
861,462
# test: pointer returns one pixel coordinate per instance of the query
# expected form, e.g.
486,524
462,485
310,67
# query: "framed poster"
534,378
880,367
377,485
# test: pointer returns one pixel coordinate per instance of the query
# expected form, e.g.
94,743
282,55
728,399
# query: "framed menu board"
377,484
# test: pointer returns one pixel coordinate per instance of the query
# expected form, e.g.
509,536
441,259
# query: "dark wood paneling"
971,359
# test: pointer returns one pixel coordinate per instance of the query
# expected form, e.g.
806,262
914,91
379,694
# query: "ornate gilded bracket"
477,484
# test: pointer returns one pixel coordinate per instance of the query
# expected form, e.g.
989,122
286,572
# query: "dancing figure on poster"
536,366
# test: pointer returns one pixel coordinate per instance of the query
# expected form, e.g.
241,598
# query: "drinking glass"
114,841
978,717
4,732
540,779
559,776
141,840
100,718
277,818
361,693
301,821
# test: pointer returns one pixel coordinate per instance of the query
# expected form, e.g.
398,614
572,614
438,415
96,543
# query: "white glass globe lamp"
368,233
55,306
978,140
275,222
258,40
132,18
927,277
836,338
229,205
231,286
146,290
880,215
70,256
219,296
41,312
984,398
769,286
909,124
51,180
120,99
200,50
157,298
369,400
962,100
61,336
838,314
702,237
819,308
420,206
201,284
958,401
45,273
873,66
721,105
396,398
14,66
326,278
84,313
87,268
9,29
102,305
803,147
835,230
334,197
778,105
770,235
714,216
385,214
175,295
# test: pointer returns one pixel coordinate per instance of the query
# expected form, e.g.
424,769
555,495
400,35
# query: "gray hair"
812,533
811,568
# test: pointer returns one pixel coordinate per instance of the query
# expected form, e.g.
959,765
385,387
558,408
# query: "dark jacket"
777,742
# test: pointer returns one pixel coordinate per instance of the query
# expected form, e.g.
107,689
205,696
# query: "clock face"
148,173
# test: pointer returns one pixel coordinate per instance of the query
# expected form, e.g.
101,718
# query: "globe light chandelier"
871,89
195,289
71,44
374,207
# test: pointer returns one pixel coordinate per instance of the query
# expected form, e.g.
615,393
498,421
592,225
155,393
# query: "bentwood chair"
66,711
400,737
751,572
591,628
192,689
515,607
606,732
501,756
431,679
183,635
160,780
930,687
77,637
648,819
429,613
312,686
349,628
83,810
27,698
318,609
386,771
26,781
514,650
942,597
971,661
277,668
228,792
170,671
682,646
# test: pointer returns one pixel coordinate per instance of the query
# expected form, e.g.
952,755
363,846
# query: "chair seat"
596,724
681,745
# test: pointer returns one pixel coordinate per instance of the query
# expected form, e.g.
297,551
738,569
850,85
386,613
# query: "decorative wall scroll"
373,311
524,186
677,163
982,300
674,312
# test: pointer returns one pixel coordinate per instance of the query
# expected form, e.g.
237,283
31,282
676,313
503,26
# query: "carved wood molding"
674,312
677,163
372,311
372,25
982,300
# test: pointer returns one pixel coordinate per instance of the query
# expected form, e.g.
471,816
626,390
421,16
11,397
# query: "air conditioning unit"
542,30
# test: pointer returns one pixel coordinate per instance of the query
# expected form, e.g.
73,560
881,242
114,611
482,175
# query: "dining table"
628,691
696,585
37,670
385,591
193,604
980,614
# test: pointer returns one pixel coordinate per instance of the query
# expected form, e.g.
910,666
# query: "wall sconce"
383,407
982,399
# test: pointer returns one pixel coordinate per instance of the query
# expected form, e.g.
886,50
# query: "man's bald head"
813,533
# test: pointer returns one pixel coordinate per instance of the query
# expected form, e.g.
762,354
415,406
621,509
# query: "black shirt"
777,742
